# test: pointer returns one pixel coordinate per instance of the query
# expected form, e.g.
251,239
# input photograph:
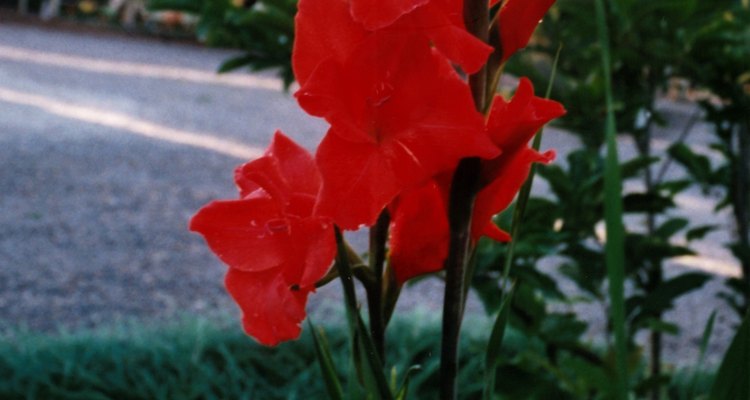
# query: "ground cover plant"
202,359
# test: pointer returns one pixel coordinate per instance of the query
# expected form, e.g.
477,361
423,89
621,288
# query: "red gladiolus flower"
518,20
419,232
325,30
394,124
275,248
511,125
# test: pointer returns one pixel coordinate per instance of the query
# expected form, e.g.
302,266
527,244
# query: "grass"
197,359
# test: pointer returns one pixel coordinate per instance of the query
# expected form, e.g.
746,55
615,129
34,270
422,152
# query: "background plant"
719,62
262,29
651,45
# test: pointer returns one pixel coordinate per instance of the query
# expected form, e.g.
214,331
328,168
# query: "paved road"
107,147
109,144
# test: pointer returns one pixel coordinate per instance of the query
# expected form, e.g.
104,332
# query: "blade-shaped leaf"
365,356
404,388
323,353
663,296
494,345
733,380
613,215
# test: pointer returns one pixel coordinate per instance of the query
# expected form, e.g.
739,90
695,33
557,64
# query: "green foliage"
187,360
719,60
325,360
263,31
650,43
733,378
197,359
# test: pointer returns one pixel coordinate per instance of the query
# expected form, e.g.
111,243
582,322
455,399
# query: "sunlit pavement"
108,145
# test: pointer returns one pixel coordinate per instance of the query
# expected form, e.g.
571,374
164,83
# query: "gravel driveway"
109,144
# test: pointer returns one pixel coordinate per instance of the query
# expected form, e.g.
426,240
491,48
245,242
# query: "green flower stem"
378,239
343,266
463,192
525,192
359,269
391,292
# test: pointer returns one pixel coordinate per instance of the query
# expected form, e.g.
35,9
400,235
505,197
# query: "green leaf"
671,227
373,375
673,187
363,349
404,388
613,213
733,379
662,298
323,353
699,232
698,366
188,6
699,166
494,345
653,203
658,325
634,166
235,63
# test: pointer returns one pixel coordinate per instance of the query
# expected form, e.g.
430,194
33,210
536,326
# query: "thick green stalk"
378,237
615,253
460,208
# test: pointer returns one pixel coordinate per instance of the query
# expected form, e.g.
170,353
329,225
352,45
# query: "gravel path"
109,144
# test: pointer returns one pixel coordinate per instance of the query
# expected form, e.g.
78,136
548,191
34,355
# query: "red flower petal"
272,310
442,21
518,20
323,29
249,234
419,233
497,196
394,125
377,14
314,248
511,125
326,30
284,169
275,249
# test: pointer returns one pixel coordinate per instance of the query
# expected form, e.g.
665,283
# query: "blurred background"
116,127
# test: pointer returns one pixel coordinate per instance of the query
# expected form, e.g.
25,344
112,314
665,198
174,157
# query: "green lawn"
195,359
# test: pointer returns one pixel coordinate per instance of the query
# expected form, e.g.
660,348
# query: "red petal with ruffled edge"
378,14
326,31
394,125
419,233
275,249
498,195
285,168
518,20
271,310
442,21
511,125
